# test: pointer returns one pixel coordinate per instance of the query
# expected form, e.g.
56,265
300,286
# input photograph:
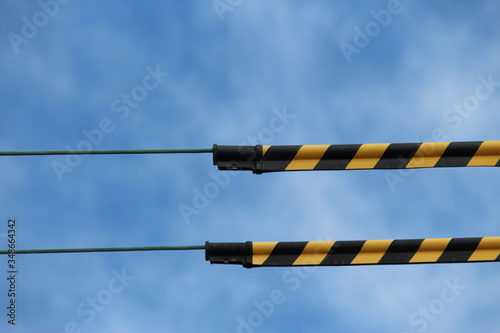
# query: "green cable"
109,249
107,152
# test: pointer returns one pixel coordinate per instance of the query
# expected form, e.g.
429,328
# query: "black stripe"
459,249
458,154
337,157
277,158
285,253
342,253
498,163
397,156
401,251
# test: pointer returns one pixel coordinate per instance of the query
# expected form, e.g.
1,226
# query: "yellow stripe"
367,156
372,251
314,253
428,154
307,157
264,150
430,250
488,154
488,249
261,251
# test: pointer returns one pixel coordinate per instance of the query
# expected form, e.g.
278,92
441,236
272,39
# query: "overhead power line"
328,253
108,249
260,159
366,252
106,152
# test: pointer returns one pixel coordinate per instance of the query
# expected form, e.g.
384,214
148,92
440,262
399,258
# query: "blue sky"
241,72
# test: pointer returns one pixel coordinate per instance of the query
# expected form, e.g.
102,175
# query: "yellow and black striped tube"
366,252
261,159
